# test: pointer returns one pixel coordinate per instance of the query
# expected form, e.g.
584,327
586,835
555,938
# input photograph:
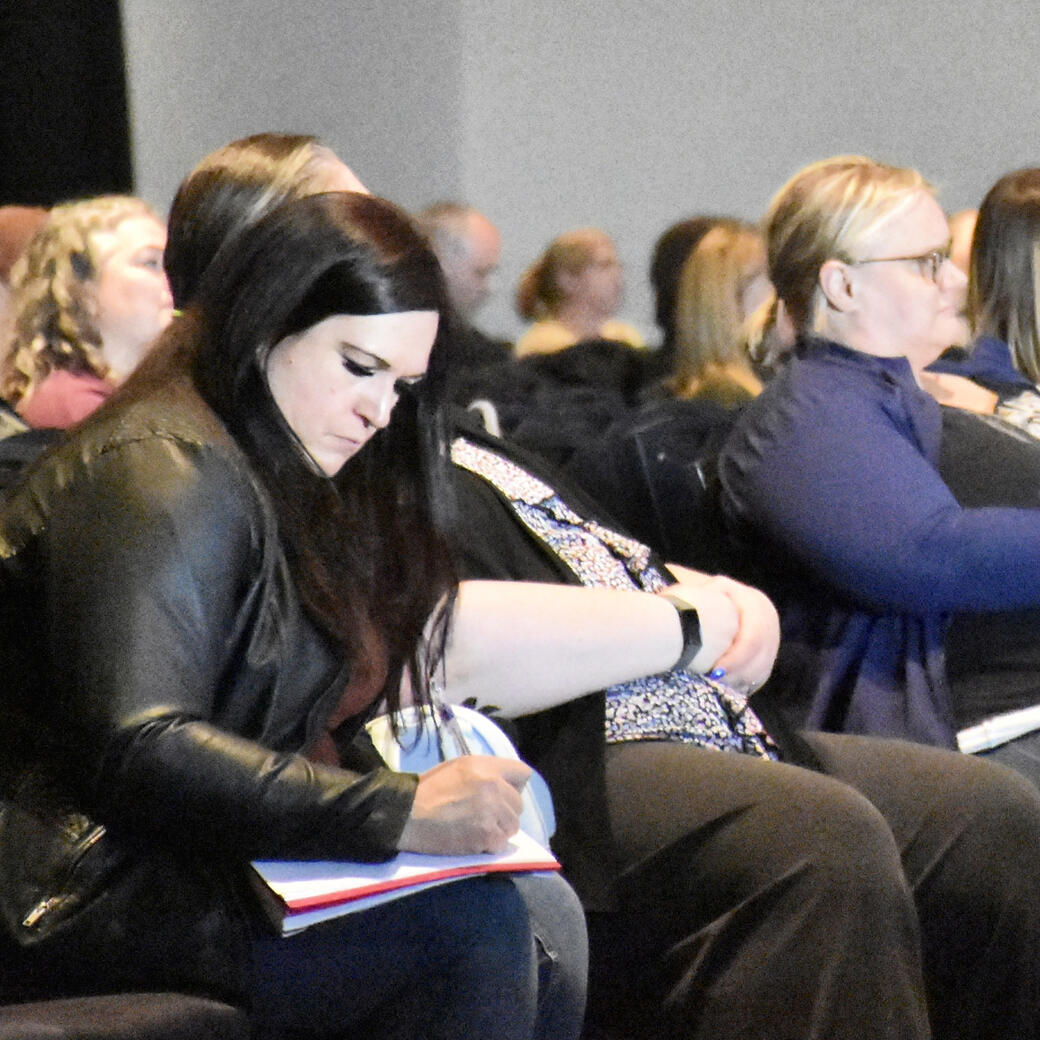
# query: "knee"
556,913
843,879
999,827
558,923
835,838
561,944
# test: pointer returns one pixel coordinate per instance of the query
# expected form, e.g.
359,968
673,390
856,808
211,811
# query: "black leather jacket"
161,679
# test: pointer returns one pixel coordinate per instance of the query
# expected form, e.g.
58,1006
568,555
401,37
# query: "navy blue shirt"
988,363
829,478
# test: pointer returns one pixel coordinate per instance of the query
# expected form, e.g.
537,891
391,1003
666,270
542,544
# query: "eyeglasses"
931,263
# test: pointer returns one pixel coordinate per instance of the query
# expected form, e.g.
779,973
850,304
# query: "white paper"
358,886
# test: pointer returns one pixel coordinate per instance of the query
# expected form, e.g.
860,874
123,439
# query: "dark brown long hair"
363,546
1005,268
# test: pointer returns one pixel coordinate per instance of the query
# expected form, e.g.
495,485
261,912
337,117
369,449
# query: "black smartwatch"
690,624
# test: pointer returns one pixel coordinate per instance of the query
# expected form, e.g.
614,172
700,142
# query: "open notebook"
297,894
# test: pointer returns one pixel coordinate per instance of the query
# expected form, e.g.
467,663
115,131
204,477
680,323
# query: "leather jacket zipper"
42,909
49,904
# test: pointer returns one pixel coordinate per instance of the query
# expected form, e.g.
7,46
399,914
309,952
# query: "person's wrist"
690,626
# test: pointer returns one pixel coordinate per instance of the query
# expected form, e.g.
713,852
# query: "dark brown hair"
1005,264
363,546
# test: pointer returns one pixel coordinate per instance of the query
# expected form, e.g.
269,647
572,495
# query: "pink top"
63,399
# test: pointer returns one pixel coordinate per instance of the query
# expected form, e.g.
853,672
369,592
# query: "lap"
728,821
942,807
752,889
731,813
370,968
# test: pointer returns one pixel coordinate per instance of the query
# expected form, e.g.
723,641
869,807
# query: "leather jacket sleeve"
179,677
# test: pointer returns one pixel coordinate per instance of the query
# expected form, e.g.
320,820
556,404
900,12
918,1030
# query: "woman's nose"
377,400
953,277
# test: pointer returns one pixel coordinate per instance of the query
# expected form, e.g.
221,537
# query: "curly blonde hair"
53,294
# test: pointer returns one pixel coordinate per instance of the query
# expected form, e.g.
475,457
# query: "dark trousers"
894,895
1021,754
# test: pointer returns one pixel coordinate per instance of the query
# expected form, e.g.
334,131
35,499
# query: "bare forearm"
525,646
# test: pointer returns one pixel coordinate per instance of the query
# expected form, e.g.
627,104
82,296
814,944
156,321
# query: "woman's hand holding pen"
466,805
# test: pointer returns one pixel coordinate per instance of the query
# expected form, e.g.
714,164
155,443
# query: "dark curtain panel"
64,127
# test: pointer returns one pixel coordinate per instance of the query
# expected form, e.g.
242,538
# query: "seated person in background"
552,402
234,179
89,297
18,224
829,478
571,293
576,370
993,658
669,254
469,248
993,458
723,282
653,466
237,547
1004,359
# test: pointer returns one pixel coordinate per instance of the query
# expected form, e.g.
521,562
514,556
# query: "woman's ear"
836,284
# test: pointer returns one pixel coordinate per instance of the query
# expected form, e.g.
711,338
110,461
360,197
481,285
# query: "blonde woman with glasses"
830,477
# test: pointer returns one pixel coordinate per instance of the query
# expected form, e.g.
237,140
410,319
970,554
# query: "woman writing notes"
239,546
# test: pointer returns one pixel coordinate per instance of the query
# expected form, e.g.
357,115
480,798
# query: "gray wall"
627,114
378,81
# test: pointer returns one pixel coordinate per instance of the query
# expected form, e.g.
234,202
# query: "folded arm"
528,646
